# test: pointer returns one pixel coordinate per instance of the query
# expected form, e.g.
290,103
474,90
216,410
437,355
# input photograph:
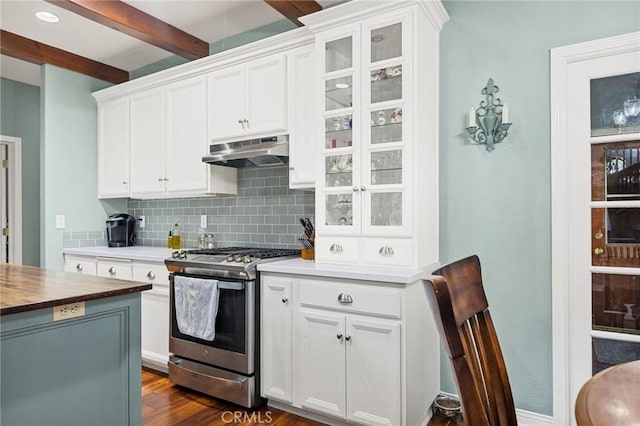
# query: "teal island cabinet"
69,349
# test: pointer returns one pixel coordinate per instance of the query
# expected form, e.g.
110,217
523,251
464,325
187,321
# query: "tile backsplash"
265,213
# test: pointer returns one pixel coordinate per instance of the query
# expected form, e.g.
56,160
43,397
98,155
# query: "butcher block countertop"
27,288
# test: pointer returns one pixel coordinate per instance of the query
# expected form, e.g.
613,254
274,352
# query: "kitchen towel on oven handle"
196,306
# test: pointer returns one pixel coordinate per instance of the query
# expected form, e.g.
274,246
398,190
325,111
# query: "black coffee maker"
121,230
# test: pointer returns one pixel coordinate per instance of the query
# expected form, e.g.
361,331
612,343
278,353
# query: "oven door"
233,345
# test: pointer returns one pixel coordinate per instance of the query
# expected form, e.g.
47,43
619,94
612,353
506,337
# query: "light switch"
142,222
60,221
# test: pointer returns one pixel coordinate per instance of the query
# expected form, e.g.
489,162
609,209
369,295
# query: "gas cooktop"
226,261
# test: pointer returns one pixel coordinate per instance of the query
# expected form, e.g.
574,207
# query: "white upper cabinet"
377,103
113,149
302,146
248,100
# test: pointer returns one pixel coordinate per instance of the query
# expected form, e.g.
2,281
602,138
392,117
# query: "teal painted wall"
20,117
498,204
69,160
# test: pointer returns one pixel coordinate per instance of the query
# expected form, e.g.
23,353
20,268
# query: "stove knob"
246,258
230,258
237,258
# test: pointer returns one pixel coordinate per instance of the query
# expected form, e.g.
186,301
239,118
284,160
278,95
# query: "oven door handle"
229,285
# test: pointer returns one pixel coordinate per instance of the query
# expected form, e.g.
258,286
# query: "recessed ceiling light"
47,17
342,85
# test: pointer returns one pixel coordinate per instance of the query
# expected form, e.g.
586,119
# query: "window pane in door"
615,237
339,210
615,303
386,167
607,353
386,42
339,54
615,104
615,169
386,209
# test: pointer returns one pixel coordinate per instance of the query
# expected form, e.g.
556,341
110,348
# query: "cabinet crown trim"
279,43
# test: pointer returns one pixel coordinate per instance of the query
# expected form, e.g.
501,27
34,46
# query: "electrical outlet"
142,223
203,221
70,310
60,221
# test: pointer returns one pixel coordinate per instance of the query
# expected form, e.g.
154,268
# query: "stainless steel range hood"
250,153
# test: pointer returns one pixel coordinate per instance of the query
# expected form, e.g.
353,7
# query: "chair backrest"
461,311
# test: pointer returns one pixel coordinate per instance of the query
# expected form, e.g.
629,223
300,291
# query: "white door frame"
561,59
15,197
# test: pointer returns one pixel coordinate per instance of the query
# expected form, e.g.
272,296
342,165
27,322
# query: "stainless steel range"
214,314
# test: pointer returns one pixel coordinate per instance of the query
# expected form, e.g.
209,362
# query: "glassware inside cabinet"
386,167
338,170
386,84
386,125
339,54
386,209
338,132
338,93
339,209
386,42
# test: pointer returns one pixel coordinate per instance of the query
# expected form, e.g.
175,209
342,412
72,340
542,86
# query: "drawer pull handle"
285,300
151,275
386,251
79,267
347,338
112,270
339,336
345,298
335,248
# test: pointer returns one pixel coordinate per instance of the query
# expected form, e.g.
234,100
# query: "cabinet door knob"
246,122
290,168
285,300
335,248
363,188
355,189
151,275
159,179
240,121
165,179
345,298
339,336
347,338
598,251
124,182
112,270
79,267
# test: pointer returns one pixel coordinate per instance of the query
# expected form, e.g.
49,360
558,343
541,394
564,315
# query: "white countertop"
140,253
353,272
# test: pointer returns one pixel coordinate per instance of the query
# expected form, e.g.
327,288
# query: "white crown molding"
258,49
358,10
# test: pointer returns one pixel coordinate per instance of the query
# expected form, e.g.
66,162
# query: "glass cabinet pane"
386,42
338,132
386,167
338,170
386,209
386,84
615,104
339,209
338,54
338,93
386,125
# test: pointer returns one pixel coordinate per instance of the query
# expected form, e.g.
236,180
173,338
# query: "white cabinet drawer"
337,250
152,273
359,298
112,268
388,252
80,264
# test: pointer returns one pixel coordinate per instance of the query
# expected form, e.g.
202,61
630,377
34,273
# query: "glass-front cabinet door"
341,153
365,145
385,144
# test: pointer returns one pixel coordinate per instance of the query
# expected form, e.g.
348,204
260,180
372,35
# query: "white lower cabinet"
350,351
155,302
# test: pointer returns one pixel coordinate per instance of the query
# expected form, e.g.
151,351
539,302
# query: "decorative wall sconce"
488,125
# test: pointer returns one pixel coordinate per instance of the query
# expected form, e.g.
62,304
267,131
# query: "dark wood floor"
165,404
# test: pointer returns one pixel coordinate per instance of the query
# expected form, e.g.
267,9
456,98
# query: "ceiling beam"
127,19
38,53
293,9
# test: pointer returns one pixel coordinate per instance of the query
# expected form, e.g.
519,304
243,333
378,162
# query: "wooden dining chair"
461,311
